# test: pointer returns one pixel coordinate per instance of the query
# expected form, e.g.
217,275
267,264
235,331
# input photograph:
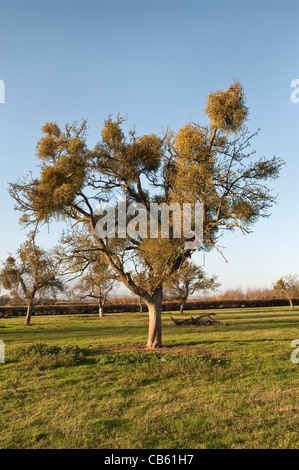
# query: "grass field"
228,386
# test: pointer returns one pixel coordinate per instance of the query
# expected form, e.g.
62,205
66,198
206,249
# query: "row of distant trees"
34,275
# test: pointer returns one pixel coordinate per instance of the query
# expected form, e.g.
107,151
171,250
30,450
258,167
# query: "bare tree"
97,283
189,279
287,288
31,274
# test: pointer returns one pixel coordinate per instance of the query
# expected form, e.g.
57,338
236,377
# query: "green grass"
91,384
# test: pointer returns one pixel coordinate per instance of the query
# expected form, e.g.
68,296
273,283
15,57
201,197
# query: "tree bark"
154,305
101,310
29,313
291,304
182,307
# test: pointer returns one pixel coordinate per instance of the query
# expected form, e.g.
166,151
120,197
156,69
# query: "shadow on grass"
232,341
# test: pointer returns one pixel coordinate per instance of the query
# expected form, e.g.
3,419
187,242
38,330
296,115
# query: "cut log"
200,320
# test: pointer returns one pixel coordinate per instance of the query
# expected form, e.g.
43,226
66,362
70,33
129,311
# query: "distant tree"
140,278
189,279
97,283
80,257
287,288
211,164
240,294
4,299
31,274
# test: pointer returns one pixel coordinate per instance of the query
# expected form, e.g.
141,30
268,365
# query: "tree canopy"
212,164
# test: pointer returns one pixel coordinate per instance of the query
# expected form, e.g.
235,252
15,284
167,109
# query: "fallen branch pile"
199,320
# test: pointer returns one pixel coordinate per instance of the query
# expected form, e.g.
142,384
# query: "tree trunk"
291,304
101,310
140,305
29,313
182,307
155,328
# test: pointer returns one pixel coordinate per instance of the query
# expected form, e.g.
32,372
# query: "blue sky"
155,62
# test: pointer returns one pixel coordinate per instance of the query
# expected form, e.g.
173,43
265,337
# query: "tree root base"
154,346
